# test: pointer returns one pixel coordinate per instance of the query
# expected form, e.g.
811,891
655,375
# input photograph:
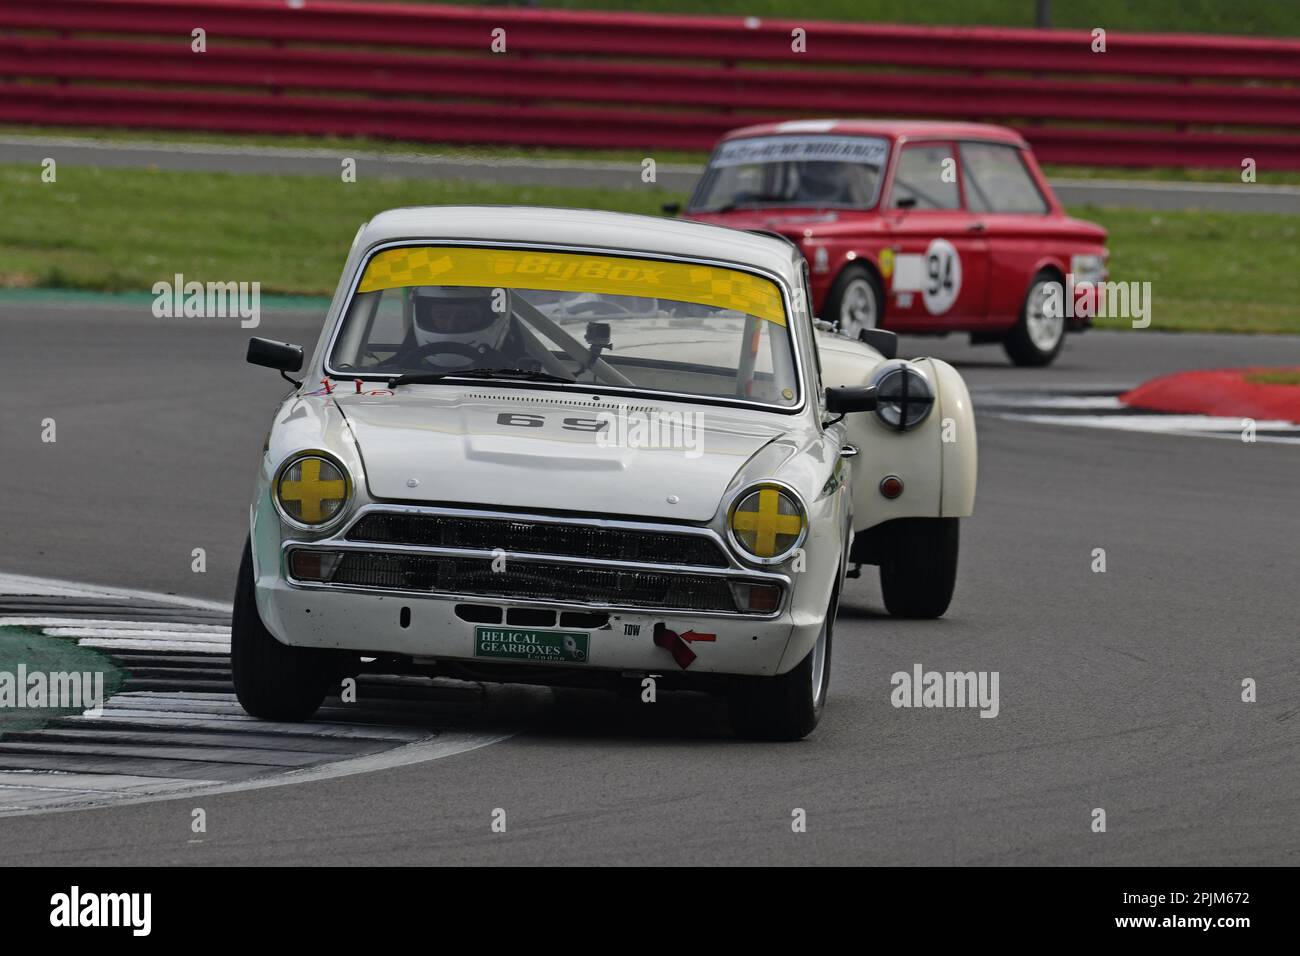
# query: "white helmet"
461,314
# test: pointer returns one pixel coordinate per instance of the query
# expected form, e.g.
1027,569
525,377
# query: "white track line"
447,744
20,585
243,724
143,627
129,644
24,793
1190,426
991,401
212,637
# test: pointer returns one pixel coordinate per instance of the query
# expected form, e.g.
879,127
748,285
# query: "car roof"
596,229
892,129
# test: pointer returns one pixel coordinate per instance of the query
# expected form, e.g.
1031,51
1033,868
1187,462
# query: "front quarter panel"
309,422
809,463
957,441
936,460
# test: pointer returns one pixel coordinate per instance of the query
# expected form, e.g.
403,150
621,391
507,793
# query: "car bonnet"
527,449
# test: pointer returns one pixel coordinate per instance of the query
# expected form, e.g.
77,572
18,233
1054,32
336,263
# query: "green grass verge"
1209,272
1276,377
27,646
1276,18
124,229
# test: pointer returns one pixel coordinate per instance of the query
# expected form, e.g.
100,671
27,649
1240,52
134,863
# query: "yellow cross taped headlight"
312,489
767,523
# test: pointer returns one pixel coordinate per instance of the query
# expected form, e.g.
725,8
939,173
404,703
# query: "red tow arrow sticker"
697,636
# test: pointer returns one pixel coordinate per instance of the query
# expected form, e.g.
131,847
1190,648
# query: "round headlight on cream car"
312,489
766,523
903,396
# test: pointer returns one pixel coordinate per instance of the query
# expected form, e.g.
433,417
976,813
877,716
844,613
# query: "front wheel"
787,707
1037,338
918,570
272,680
854,301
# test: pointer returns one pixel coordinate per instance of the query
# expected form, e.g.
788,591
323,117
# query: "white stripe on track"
19,585
1193,426
143,627
24,792
213,637
447,744
999,400
243,724
131,644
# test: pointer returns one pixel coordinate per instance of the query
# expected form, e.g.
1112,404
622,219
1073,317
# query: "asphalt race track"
1118,690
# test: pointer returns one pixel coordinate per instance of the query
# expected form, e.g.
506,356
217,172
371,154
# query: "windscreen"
821,171
620,322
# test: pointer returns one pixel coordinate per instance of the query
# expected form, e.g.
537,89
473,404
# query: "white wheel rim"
819,663
858,308
1045,330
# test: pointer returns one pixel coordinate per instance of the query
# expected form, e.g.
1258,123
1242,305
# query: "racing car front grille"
514,535
535,580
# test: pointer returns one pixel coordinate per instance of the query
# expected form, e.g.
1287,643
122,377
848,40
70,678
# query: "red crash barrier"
569,78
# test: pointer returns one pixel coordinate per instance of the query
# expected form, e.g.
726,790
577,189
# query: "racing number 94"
939,266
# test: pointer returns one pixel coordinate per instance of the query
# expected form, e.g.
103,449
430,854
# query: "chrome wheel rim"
1045,330
819,664
858,308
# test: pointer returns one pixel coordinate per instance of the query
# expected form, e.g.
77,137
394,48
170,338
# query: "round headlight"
312,490
767,523
903,397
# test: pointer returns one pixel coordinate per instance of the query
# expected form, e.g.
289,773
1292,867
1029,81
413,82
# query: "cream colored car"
571,447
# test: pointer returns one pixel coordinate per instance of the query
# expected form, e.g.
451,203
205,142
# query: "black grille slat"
538,537
535,580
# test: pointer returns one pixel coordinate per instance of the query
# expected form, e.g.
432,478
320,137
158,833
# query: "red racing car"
917,227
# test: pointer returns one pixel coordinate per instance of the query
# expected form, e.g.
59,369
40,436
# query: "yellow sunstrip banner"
574,272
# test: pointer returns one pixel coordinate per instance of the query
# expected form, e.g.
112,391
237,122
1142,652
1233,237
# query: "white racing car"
568,447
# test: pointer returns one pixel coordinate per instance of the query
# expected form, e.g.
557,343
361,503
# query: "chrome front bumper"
416,621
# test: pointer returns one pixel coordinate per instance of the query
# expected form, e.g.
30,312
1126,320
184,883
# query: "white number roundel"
942,277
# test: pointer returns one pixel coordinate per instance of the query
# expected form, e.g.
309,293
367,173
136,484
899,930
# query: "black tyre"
272,680
789,706
918,569
855,302
1038,336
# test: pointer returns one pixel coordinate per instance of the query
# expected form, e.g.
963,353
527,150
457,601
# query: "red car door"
1001,192
936,263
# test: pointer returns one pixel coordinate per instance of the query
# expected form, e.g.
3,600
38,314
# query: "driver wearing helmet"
457,327
823,181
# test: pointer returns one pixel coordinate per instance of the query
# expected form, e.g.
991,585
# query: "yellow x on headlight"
767,523
312,490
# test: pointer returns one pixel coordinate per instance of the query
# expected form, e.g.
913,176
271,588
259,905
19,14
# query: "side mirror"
280,356
905,202
671,208
883,341
851,398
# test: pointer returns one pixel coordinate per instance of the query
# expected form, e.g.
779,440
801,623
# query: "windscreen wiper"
519,374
